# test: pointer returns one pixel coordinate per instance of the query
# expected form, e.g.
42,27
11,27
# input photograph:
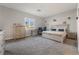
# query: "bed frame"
53,36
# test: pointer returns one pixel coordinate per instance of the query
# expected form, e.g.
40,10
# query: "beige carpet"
39,46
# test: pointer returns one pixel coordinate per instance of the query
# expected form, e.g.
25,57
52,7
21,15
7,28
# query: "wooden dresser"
19,31
72,36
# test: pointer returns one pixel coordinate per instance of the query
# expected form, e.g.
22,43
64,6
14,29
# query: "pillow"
60,29
53,29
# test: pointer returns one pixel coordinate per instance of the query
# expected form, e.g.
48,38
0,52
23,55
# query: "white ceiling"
47,9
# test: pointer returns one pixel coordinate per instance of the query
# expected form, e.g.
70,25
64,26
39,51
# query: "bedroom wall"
10,16
1,18
61,17
78,27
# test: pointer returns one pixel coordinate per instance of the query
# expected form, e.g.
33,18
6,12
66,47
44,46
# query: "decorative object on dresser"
1,43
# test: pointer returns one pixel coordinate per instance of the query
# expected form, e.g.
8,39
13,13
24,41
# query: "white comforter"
55,32
57,36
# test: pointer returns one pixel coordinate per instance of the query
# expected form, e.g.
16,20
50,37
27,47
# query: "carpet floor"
38,46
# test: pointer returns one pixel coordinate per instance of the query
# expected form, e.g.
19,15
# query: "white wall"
10,16
78,26
63,17
1,18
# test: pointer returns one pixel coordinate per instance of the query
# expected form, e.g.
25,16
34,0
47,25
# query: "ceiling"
41,9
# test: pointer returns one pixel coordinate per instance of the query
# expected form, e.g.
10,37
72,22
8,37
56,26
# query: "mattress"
55,35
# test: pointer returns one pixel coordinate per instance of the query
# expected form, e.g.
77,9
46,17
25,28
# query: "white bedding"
55,35
55,32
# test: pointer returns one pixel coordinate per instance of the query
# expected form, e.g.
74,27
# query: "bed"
54,35
58,34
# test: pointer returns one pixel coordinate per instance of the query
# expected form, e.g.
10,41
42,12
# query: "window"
29,22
